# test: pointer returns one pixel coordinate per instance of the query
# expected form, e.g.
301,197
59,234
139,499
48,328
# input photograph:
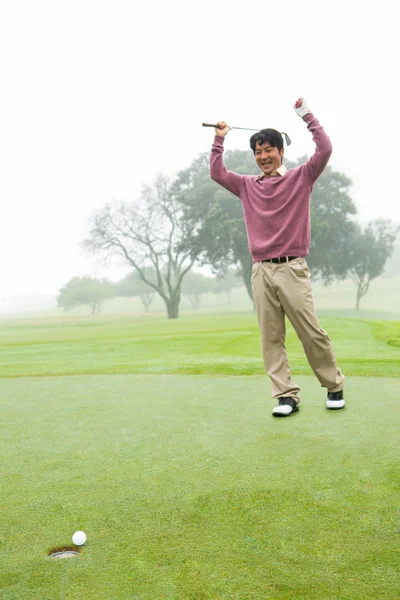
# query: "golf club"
287,138
216,126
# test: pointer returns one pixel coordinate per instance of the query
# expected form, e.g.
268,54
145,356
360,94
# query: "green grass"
388,332
186,486
217,344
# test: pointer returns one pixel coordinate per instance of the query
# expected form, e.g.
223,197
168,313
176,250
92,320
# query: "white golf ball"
79,538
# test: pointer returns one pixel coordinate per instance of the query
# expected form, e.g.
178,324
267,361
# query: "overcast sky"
97,97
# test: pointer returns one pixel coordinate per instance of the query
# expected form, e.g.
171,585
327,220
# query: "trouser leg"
271,321
295,294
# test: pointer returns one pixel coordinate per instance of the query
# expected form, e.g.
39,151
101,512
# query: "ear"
282,152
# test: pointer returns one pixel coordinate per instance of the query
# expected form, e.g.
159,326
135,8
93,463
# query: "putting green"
187,488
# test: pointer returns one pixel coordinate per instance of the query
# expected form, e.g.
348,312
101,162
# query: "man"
276,207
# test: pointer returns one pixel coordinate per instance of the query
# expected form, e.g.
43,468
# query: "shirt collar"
280,171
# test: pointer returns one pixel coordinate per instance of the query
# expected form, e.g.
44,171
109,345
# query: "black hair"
272,136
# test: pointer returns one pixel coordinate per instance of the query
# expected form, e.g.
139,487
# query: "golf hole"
64,552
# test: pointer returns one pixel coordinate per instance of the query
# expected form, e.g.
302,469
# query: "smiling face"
268,157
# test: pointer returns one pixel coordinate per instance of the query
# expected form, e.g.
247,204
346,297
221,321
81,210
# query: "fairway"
185,485
205,344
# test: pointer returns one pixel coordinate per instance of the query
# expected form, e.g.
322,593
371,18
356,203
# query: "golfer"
276,207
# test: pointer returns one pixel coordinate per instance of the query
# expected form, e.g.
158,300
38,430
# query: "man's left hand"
301,107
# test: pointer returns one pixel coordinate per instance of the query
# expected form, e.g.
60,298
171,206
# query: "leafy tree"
133,285
332,225
225,284
149,233
392,267
217,216
370,249
85,291
195,285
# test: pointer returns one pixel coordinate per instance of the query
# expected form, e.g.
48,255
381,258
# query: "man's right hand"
222,129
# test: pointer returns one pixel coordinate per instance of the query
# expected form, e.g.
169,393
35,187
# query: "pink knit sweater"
276,209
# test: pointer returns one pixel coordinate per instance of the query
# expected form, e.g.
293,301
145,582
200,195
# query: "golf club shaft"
216,127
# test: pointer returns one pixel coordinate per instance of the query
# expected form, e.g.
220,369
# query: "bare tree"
149,233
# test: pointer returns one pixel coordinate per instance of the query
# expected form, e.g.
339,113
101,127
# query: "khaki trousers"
285,289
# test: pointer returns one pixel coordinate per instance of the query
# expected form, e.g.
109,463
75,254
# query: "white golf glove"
301,107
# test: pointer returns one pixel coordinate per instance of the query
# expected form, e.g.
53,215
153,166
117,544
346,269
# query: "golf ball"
79,538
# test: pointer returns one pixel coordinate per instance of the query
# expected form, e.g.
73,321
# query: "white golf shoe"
287,406
335,400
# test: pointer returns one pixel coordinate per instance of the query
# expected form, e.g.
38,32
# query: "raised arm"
323,147
218,172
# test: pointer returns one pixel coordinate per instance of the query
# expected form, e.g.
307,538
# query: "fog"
99,97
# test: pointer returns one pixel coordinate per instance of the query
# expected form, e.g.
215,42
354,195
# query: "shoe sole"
332,405
285,415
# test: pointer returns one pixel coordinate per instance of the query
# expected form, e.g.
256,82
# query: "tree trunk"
246,274
362,289
247,283
173,310
172,304
146,299
358,298
195,300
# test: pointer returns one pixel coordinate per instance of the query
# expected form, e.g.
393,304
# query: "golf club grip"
209,125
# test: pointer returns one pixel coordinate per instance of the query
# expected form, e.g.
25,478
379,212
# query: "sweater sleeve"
317,163
218,172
